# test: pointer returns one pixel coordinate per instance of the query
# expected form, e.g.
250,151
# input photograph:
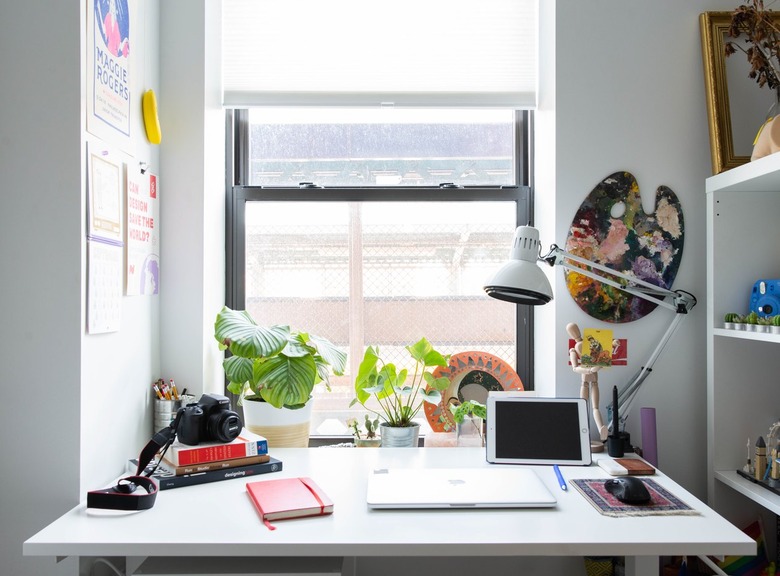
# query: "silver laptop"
510,487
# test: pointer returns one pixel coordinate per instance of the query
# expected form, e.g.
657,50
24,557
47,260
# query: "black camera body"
208,420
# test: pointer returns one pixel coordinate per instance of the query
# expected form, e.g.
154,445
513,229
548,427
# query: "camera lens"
767,309
223,426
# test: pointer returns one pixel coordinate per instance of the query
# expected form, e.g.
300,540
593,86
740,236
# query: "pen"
561,481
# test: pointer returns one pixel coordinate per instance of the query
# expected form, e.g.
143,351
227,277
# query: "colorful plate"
472,375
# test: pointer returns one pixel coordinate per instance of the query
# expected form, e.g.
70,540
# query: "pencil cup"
164,413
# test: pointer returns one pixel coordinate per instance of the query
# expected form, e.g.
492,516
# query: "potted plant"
399,401
273,370
775,328
752,322
729,320
469,417
371,439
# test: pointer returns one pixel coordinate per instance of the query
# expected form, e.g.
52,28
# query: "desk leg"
642,566
349,566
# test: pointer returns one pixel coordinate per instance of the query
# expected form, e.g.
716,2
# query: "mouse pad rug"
662,502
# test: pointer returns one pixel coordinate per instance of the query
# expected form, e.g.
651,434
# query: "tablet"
533,430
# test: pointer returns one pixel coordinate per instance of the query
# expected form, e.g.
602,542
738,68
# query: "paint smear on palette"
612,228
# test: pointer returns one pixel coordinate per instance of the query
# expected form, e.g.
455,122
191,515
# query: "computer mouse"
628,489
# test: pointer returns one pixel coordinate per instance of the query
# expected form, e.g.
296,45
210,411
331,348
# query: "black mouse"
628,489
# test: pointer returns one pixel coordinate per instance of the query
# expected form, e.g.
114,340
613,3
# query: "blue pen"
561,481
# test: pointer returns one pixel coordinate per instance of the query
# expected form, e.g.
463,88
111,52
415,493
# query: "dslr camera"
208,420
765,298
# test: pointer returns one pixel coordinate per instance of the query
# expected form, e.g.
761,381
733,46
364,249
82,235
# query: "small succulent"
732,317
776,320
752,318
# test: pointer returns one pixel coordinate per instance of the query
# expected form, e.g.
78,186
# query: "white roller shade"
366,53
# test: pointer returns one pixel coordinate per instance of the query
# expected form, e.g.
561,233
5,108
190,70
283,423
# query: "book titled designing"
288,498
246,444
167,477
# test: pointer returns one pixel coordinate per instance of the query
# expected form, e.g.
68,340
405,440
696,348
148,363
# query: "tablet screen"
533,430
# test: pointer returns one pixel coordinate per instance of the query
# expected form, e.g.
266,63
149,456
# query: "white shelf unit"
743,368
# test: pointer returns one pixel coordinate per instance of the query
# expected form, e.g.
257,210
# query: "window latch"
308,185
449,185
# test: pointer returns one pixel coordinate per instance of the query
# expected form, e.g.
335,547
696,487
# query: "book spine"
169,482
218,465
188,456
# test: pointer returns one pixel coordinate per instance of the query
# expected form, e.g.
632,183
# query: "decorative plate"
472,375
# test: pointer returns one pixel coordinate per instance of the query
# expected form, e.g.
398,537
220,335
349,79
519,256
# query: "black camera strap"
123,495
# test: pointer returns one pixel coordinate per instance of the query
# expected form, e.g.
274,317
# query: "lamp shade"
520,280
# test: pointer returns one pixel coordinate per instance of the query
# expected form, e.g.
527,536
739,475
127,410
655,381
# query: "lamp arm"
681,301
627,394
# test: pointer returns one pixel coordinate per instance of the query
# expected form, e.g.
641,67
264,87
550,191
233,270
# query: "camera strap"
123,495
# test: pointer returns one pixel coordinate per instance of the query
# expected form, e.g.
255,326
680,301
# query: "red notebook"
288,498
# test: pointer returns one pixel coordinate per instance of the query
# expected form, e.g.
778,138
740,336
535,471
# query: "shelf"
751,490
745,335
762,175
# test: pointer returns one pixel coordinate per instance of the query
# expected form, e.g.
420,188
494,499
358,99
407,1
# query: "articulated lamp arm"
678,301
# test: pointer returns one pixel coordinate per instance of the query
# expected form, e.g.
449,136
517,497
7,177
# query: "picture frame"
736,105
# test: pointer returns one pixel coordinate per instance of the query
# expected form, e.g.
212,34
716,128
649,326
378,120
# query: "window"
378,228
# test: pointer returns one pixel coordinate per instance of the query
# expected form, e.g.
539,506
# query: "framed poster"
109,71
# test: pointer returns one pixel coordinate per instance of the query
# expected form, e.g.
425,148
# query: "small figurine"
589,390
761,462
748,467
774,465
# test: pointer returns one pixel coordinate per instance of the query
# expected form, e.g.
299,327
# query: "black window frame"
238,193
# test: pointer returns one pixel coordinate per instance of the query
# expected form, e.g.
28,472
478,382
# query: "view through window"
362,261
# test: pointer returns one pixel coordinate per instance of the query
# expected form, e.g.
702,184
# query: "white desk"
218,520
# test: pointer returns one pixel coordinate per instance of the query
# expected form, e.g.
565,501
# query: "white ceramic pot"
282,427
399,437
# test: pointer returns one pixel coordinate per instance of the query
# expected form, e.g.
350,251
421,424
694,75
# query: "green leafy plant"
751,318
732,317
776,320
399,401
468,408
273,363
371,426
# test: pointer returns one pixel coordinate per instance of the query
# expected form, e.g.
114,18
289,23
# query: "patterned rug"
662,502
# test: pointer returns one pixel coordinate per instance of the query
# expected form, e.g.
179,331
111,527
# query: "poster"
109,71
143,234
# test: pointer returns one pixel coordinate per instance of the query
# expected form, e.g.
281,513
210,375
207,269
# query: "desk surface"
218,519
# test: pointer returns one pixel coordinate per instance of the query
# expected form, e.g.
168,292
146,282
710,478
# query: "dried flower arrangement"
762,35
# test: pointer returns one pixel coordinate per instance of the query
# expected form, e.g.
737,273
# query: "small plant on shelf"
731,319
775,327
752,321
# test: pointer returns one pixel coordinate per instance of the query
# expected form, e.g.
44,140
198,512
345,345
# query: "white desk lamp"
521,281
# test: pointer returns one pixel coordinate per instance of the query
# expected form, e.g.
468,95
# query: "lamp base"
615,446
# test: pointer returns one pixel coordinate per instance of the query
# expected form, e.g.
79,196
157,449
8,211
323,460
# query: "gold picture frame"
714,32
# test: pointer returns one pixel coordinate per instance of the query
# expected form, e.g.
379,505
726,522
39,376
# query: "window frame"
238,193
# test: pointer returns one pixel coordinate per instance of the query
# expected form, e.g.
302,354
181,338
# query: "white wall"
75,406
628,96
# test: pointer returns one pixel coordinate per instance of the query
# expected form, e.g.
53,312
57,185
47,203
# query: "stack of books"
185,465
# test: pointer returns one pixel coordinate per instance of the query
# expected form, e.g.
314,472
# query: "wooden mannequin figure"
589,390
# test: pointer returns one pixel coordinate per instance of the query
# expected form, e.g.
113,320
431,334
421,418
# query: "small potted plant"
397,401
469,417
775,327
730,320
371,438
752,322
273,370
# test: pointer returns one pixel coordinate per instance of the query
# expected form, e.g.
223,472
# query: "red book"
288,498
246,444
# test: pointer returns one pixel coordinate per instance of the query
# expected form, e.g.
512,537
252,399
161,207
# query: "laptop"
495,487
